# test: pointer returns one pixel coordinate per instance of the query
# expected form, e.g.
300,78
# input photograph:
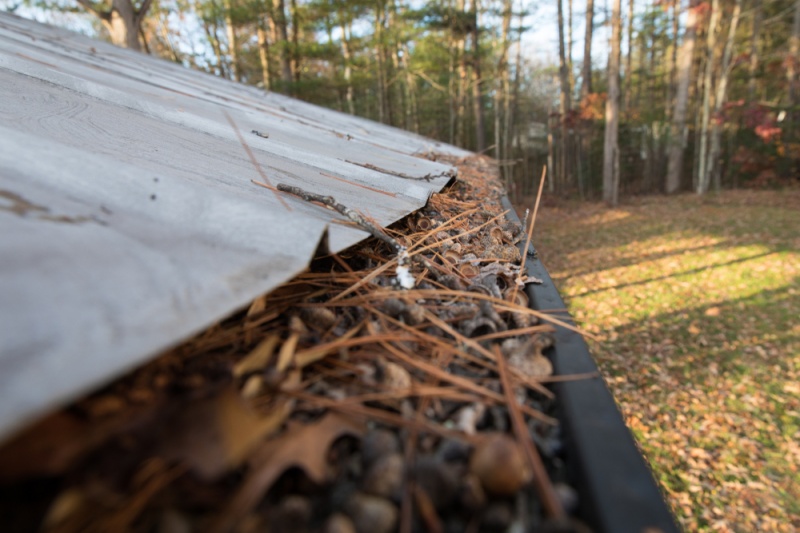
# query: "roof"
129,213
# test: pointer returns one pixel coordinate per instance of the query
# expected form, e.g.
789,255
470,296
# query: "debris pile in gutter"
340,402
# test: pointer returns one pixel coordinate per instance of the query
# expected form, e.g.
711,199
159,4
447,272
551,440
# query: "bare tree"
586,86
792,63
264,52
712,165
711,43
122,18
477,80
754,57
629,60
684,75
565,103
673,59
233,45
281,37
611,145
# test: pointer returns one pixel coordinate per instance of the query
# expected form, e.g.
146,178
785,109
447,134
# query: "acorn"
371,514
376,444
338,523
386,477
496,233
500,465
468,270
424,224
516,296
452,255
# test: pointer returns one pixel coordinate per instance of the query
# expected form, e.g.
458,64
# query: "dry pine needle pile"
338,403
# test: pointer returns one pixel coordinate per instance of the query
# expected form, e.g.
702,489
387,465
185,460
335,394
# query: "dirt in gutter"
339,402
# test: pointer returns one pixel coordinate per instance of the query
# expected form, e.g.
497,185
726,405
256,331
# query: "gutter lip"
617,490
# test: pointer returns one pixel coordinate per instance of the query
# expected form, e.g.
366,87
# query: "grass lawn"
697,305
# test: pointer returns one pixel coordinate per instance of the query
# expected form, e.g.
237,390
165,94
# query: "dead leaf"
215,434
54,444
712,311
305,447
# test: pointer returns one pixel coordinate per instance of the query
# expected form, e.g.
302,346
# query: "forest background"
652,96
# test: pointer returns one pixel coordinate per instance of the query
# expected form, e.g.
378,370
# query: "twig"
540,478
404,277
426,177
352,214
253,157
533,218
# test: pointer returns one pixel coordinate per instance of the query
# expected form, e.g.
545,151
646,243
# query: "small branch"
426,177
252,157
90,7
404,277
541,480
352,214
533,221
142,11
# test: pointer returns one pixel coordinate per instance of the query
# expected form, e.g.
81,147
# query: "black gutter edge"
617,490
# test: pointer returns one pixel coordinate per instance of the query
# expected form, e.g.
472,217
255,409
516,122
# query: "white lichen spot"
404,276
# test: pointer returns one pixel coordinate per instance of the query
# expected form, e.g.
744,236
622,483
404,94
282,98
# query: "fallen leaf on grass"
215,434
302,446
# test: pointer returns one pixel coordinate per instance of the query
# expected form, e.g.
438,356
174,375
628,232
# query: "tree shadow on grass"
673,275
728,225
713,391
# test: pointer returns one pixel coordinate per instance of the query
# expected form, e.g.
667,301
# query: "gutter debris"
346,400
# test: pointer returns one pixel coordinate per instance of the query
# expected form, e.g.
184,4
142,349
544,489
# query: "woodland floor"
695,303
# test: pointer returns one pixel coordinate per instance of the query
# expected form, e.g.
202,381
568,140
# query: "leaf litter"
344,400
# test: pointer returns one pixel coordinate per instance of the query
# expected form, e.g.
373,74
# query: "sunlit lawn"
697,303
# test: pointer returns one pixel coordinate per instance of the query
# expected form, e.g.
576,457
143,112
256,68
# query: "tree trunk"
461,113
754,59
348,69
123,21
263,54
586,86
511,106
713,166
711,44
611,147
562,178
501,93
629,60
294,49
461,97
570,42
452,85
684,73
282,40
211,34
794,92
792,63
233,46
412,111
477,81
379,61
673,60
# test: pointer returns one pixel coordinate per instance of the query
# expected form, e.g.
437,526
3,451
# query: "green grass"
696,304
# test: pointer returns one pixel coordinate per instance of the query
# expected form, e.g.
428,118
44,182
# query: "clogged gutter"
385,389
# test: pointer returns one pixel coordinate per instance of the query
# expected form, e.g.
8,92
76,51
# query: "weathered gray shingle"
128,217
